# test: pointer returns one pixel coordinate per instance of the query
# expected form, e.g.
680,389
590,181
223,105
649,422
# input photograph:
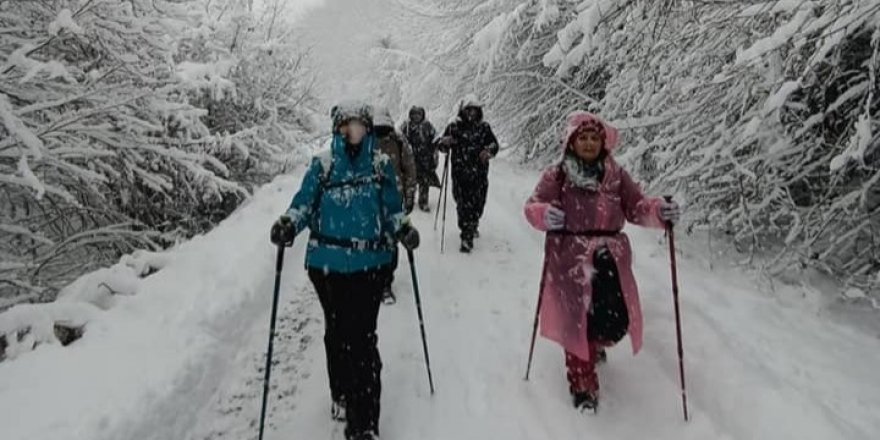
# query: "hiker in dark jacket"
398,149
420,134
395,146
470,142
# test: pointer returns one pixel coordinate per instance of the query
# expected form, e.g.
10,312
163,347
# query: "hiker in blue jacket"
350,202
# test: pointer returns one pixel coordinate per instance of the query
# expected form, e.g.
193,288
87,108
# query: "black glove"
445,144
408,236
283,232
453,130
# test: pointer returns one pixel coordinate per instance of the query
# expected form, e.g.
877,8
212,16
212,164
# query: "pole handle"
669,225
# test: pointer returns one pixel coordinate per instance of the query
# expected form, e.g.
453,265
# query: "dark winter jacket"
421,138
466,141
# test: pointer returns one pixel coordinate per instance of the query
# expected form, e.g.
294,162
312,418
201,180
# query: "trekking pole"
445,202
278,266
535,327
442,187
671,234
415,281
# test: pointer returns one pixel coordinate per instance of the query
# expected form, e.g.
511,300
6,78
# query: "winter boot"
388,297
425,207
601,356
586,401
369,435
467,245
337,411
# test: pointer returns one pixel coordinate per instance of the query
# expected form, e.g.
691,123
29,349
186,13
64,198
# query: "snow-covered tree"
761,115
132,124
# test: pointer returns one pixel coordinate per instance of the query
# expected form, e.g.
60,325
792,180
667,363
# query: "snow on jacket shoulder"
351,199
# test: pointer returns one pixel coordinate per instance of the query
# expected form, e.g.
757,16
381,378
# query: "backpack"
607,318
324,184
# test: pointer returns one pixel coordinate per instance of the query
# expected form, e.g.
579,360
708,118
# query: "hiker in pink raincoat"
589,295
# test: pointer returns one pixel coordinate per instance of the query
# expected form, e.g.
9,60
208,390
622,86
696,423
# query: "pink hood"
576,119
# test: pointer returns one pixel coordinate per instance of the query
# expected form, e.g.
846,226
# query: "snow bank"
26,326
156,346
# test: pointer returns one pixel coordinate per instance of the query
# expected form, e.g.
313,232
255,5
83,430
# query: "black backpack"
607,318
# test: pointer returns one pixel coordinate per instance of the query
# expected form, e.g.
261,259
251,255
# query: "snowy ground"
183,358
757,370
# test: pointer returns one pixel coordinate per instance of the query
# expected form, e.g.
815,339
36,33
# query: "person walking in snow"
589,298
395,146
471,143
420,134
350,202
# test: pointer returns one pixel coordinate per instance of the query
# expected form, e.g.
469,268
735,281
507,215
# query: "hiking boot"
337,411
369,435
388,297
586,401
467,245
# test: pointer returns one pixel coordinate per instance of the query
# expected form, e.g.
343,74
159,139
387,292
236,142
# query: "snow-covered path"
183,358
757,369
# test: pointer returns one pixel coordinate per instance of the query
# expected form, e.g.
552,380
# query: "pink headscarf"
581,119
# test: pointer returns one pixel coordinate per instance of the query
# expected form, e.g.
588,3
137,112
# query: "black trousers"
424,188
469,191
351,308
426,177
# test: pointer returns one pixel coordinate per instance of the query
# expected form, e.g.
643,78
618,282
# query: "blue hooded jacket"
344,198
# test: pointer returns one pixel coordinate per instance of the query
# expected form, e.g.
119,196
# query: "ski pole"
442,187
278,266
445,202
671,234
415,281
535,326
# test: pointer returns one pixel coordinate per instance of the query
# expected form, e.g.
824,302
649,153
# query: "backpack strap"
324,184
323,180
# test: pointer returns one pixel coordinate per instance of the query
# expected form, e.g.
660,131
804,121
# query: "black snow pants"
351,308
469,191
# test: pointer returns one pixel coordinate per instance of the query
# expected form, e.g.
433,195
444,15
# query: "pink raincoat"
568,259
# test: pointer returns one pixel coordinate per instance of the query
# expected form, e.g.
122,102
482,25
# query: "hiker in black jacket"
471,143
